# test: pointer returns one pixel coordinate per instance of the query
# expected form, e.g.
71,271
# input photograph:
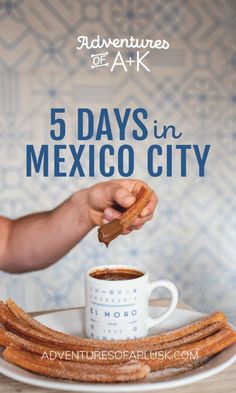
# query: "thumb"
123,197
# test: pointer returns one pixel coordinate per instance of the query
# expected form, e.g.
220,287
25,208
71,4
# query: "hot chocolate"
116,274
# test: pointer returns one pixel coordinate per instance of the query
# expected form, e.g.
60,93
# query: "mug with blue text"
117,298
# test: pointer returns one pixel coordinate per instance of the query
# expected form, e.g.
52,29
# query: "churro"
23,328
199,350
109,231
126,372
29,344
7,338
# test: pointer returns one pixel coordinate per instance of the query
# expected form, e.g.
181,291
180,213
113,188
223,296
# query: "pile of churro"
26,343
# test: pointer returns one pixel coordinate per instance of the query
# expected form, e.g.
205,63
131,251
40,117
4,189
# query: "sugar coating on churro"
28,343
109,231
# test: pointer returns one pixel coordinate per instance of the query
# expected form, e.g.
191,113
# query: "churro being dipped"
109,231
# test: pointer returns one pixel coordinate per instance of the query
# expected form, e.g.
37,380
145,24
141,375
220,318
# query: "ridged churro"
109,231
29,344
126,372
202,349
7,338
25,329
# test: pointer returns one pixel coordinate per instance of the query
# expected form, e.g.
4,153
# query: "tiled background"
192,238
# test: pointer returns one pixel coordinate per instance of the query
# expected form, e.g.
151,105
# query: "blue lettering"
58,160
201,160
104,118
169,161
183,149
129,161
139,123
76,156
103,150
122,123
81,134
37,163
151,150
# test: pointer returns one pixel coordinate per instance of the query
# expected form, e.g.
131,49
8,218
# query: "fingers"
134,187
111,214
124,197
121,195
139,222
127,231
123,192
150,207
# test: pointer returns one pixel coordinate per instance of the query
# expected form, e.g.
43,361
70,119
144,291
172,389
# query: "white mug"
119,309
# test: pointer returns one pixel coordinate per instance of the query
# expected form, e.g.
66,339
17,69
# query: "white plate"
71,321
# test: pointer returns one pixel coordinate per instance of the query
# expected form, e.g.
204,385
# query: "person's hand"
106,200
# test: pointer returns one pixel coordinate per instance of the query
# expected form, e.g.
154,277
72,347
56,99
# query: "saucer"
72,322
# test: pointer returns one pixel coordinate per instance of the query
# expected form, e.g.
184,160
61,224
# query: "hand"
105,201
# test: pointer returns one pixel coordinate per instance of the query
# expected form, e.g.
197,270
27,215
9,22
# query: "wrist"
81,199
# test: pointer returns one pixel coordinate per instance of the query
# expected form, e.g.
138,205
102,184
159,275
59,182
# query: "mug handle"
174,299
